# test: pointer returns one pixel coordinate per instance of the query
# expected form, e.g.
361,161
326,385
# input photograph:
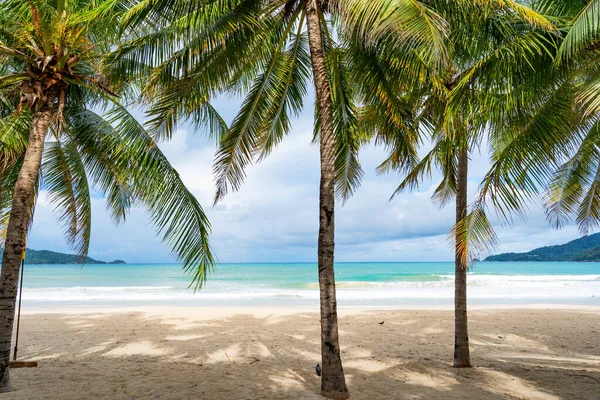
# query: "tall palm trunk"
333,381
462,358
23,198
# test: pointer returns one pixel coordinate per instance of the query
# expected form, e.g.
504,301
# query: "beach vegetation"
66,129
520,79
492,48
267,51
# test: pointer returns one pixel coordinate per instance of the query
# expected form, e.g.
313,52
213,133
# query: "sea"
376,285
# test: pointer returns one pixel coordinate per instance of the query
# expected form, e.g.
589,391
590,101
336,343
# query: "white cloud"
274,216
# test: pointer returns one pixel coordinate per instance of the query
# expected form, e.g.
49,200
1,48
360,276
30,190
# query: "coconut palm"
267,50
64,129
491,45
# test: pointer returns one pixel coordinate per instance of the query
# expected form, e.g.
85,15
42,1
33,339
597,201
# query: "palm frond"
527,150
348,140
589,96
408,22
66,181
239,145
156,185
289,100
474,235
14,135
123,160
8,179
584,32
573,189
96,142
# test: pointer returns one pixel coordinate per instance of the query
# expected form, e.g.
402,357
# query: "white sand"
224,353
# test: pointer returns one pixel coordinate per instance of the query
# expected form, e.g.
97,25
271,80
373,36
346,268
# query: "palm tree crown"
57,49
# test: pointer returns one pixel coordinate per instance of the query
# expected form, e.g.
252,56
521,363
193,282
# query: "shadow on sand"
520,354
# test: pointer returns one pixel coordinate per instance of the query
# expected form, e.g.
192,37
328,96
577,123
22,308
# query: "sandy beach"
223,353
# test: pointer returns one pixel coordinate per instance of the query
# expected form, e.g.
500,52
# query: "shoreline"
218,310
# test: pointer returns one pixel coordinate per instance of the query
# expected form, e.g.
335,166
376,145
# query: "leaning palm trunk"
23,197
333,382
462,358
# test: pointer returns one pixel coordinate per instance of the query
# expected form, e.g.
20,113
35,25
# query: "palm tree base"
5,385
336,395
462,364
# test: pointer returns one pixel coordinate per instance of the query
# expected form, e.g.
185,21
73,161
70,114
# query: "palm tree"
491,45
52,137
267,50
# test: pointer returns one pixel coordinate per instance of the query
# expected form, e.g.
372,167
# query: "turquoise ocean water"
406,284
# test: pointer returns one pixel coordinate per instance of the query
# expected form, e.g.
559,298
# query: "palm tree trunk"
23,197
462,358
333,381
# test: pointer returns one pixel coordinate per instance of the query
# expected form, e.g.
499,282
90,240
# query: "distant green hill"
586,248
52,257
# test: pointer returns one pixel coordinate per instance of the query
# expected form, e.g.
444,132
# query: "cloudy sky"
274,217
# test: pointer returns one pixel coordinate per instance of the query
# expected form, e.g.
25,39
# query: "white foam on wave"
480,287
529,278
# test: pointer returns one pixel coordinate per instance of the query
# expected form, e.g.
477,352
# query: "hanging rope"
20,297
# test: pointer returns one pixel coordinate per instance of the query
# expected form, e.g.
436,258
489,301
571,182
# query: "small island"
586,249
53,257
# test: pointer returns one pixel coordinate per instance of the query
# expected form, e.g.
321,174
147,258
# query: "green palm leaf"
573,189
173,209
239,145
584,32
66,181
